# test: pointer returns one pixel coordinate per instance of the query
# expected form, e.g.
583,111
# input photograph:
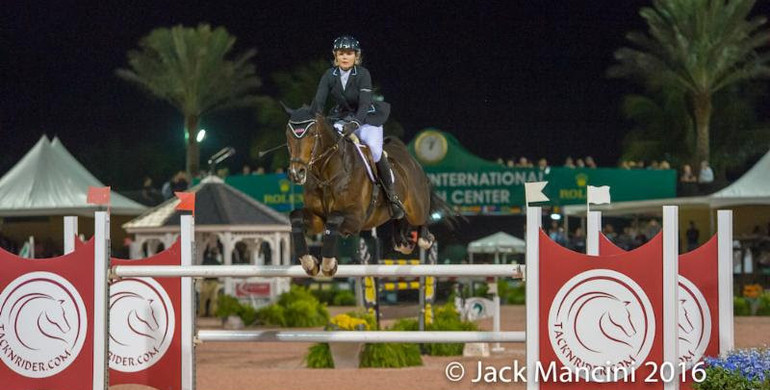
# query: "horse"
340,197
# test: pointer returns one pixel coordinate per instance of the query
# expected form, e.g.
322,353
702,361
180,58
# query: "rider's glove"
349,128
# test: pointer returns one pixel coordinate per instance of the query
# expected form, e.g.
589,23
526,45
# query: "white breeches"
370,135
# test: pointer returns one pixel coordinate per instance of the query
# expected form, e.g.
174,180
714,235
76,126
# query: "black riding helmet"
346,42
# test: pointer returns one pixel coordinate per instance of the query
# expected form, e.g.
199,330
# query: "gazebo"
500,243
224,214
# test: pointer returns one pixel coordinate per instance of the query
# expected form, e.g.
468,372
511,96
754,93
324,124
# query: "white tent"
500,243
48,181
753,188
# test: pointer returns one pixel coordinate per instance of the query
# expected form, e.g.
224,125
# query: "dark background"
507,78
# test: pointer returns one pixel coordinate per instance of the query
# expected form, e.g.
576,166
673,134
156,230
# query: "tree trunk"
702,106
193,149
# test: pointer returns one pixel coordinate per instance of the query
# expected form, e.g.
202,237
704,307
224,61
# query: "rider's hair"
359,58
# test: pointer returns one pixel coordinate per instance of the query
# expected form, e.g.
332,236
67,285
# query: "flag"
533,192
186,201
98,195
598,195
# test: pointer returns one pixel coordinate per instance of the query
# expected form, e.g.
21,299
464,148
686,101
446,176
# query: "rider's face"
345,58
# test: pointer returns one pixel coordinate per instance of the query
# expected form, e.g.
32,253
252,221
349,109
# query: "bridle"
300,129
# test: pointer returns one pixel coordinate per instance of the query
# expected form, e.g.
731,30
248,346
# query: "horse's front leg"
331,238
310,264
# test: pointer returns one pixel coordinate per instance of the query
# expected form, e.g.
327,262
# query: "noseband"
300,130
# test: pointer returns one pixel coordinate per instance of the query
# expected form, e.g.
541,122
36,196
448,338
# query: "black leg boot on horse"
310,264
385,173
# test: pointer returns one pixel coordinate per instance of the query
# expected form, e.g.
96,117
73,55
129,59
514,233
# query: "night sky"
506,78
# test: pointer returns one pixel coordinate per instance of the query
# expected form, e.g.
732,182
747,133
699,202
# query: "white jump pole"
592,232
725,281
70,233
362,337
670,292
296,271
534,220
101,294
188,312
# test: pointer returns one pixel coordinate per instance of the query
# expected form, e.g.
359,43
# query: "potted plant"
346,355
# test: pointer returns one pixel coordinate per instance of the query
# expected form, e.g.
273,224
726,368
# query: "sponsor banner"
46,326
698,300
601,312
145,326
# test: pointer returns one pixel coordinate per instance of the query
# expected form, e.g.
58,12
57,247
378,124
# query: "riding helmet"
346,42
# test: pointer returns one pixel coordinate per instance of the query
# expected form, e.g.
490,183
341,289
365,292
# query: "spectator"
580,163
246,170
654,165
279,170
706,175
510,163
609,232
179,183
625,165
259,171
150,195
569,163
590,163
692,237
687,176
523,162
665,165
209,294
542,164
578,241
653,228
625,240
640,164
500,161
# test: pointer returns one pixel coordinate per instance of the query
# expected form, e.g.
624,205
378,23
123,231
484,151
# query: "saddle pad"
366,157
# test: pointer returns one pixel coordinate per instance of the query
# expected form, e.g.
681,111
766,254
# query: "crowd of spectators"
629,237
542,163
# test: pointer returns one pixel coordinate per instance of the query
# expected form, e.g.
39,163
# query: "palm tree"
188,68
698,47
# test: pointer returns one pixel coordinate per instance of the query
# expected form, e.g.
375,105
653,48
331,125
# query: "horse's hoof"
404,249
329,266
309,264
427,242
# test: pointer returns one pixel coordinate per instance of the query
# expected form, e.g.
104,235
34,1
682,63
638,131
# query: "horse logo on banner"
42,324
141,324
599,318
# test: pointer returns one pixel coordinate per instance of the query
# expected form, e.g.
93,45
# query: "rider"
350,84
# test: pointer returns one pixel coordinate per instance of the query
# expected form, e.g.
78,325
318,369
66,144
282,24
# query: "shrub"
374,355
447,319
741,307
741,369
230,306
512,295
296,308
344,298
764,305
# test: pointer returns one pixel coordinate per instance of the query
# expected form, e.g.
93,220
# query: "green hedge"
228,305
297,308
335,296
742,306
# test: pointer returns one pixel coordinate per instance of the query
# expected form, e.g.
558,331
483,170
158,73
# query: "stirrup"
397,210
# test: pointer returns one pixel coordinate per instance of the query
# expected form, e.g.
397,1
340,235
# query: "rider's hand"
349,128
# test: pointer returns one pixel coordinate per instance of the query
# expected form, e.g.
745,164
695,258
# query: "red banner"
46,332
600,314
145,326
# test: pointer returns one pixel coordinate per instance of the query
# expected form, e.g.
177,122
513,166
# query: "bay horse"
340,197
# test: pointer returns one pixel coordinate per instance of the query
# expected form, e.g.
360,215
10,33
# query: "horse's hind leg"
330,239
401,243
309,263
426,239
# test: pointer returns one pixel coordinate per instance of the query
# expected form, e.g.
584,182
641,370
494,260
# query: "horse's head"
303,137
621,317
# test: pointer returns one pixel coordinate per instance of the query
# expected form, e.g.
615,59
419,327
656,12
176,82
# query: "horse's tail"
447,214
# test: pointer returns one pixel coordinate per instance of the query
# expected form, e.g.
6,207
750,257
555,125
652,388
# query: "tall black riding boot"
386,178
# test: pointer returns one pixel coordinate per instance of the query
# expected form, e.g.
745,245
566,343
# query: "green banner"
478,186
475,185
